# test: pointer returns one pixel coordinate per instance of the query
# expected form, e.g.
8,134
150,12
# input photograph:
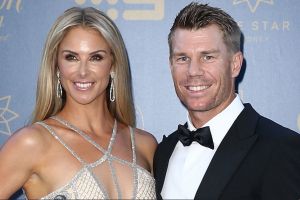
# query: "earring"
112,94
58,86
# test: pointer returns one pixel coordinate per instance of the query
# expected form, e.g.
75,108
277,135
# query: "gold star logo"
253,7
95,2
6,115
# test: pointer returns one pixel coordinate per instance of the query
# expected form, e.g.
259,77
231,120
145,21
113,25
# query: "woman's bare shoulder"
146,143
27,139
145,137
20,156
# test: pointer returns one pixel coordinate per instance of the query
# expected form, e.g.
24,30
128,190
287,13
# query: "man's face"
203,69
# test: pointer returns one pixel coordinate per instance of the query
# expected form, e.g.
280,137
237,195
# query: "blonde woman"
81,144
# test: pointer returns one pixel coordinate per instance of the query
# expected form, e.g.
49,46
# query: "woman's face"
84,61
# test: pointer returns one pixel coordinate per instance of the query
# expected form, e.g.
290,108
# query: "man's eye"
96,58
71,57
182,59
208,58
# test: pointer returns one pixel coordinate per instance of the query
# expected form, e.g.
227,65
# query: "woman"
81,144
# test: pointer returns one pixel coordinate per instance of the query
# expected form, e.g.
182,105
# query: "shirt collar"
221,123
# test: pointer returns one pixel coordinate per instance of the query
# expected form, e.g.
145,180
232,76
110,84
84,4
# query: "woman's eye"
96,58
71,57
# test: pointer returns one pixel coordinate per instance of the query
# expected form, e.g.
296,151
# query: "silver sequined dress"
86,184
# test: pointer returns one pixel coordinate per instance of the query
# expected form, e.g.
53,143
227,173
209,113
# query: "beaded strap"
86,137
107,153
62,142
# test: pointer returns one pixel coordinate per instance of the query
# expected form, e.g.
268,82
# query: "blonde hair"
47,102
196,15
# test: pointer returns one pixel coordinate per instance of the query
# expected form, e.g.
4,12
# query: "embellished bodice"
88,183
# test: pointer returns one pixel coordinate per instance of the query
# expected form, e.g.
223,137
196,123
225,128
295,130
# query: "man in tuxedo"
226,150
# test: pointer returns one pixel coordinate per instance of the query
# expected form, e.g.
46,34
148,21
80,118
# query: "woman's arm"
17,159
146,145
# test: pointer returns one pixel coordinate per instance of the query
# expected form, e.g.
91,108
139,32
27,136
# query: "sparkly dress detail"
87,184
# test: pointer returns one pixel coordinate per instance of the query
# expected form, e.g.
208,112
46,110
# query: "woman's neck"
94,117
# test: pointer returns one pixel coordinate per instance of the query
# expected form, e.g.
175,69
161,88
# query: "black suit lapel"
161,159
229,155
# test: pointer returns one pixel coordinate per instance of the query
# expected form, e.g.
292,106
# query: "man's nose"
195,68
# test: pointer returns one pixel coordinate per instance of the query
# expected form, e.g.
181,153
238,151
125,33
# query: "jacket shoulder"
169,137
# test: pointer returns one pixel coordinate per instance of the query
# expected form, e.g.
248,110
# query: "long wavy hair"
47,102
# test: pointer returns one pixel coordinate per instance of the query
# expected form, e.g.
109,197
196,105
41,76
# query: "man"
241,154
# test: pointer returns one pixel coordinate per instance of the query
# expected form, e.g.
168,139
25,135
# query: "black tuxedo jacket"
257,159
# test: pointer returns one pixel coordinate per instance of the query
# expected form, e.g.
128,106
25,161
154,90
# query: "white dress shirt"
187,165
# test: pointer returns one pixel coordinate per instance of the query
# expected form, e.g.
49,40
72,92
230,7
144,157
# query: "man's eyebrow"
210,51
179,54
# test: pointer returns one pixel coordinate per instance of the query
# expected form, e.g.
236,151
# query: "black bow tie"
201,135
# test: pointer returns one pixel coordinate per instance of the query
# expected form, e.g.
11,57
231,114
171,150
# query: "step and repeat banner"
270,81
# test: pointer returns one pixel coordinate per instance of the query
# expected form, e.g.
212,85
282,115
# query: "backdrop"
270,83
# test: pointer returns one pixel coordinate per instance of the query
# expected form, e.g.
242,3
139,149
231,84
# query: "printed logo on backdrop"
131,9
260,28
252,6
6,115
7,6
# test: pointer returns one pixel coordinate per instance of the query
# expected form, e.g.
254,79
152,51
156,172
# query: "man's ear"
236,64
170,63
171,67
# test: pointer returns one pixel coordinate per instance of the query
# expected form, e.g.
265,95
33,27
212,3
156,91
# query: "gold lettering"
3,4
18,5
265,25
275,26
156,14
256,39
255,26
112,2
240,24
8,4
112,13
285,25
1,21
80,2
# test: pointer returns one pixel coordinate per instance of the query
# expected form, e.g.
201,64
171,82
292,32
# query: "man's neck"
199,118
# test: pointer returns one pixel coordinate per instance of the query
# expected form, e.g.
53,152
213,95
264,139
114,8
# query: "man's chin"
196,106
